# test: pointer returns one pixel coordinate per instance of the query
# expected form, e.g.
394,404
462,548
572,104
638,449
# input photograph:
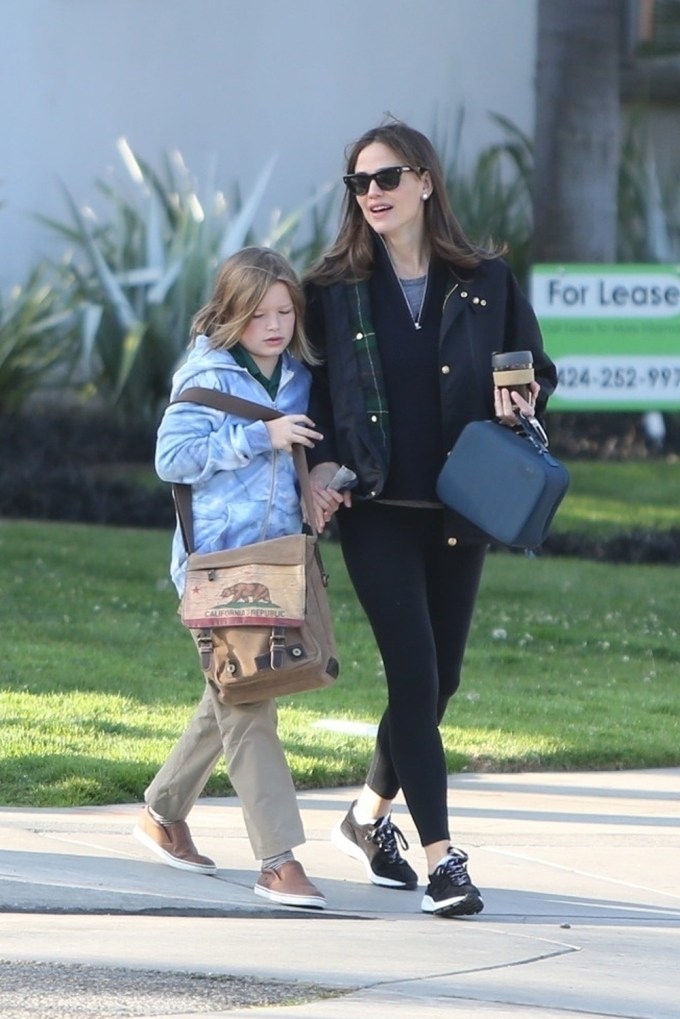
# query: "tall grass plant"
140,269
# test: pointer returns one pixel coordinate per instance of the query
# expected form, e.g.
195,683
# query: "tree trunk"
577,131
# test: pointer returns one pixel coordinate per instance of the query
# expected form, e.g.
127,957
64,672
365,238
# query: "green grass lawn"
571,665
606,498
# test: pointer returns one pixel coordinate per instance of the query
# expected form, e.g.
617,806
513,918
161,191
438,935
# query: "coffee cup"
513,370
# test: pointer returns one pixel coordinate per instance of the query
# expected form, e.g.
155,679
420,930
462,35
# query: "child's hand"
326,500
283,432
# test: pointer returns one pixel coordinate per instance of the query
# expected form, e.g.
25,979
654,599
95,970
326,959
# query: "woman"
406,314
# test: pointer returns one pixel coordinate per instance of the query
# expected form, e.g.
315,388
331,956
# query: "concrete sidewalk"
580,875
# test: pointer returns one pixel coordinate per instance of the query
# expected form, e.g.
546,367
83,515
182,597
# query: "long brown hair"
351,255
241,285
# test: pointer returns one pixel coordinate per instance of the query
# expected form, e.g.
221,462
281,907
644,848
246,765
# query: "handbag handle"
533,430
247,409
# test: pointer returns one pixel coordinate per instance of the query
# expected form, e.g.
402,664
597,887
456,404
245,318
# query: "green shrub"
37,338
140,271
492,200
649,205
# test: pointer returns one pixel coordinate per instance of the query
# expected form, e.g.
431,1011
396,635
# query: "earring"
426,195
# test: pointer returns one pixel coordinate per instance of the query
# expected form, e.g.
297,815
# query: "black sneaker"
450,891
375,845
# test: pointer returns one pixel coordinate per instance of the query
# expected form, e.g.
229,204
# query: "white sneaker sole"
311,901
457,905
172,861
345,845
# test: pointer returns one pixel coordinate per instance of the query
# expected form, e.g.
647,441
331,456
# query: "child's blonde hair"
241,285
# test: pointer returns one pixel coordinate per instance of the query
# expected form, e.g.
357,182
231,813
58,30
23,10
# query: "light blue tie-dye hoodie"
243,490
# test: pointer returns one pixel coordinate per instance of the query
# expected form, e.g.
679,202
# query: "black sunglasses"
387,179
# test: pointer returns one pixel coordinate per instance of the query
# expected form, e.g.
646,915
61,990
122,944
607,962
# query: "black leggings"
419,596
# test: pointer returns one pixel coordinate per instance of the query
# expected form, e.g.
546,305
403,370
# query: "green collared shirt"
243,358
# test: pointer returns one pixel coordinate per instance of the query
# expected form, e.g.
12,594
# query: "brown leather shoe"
289,885
172,842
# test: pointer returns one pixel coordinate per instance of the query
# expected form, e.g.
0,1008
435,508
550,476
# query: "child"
243,490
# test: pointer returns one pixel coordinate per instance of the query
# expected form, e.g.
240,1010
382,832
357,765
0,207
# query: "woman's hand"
326,500
291,428
508,402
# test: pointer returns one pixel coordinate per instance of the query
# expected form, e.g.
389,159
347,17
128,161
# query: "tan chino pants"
257,768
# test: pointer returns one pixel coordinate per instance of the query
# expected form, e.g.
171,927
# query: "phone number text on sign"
585,377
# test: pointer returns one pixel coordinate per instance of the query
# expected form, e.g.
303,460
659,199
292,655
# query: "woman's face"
392,212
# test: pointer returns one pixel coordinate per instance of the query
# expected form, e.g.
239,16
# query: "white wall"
230,82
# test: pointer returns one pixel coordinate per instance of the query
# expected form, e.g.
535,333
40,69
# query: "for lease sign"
613,332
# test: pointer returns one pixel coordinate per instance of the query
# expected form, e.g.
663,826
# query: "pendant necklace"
416,286
411,288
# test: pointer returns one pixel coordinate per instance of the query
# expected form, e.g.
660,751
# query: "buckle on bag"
277,647
205,649
317,555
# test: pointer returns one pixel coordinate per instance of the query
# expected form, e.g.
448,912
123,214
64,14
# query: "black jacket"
484,311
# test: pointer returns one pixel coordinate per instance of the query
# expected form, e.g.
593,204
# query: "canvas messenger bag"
259,614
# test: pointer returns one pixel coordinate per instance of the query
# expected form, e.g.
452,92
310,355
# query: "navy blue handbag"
505,482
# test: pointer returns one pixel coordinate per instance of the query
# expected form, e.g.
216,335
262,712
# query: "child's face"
271,328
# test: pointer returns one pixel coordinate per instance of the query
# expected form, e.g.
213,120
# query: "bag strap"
532,429
247,409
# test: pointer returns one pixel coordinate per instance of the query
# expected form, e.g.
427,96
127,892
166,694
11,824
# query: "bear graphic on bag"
246,594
